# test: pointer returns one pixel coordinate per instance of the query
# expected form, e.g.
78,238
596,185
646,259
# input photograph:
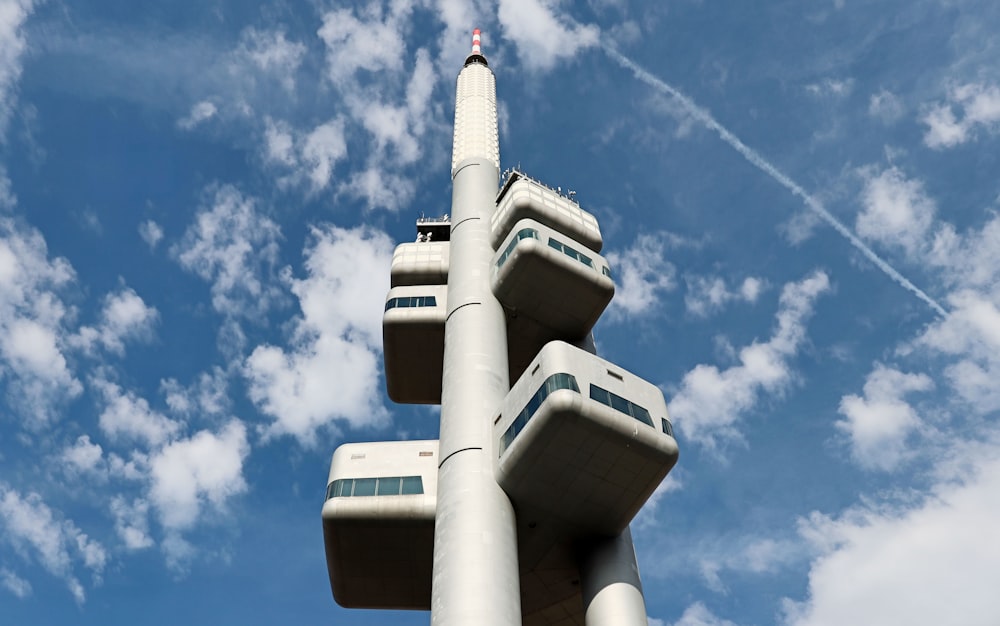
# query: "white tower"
520,512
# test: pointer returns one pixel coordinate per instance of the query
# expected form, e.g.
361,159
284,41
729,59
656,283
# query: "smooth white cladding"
420,263
413,342
551,278
581,443
522,197
379,546
475,116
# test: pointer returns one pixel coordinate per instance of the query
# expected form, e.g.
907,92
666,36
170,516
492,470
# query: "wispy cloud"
337,340
884,565
542,39
234,247
979,109
57,544
709,402
880,422
709,294
754,158
642,275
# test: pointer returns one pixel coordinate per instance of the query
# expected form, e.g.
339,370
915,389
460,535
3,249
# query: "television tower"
519,513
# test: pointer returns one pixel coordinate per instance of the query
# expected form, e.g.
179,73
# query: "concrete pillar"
609,581
475,578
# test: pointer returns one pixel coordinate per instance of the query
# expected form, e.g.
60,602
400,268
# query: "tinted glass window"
364,487
388,486
412,485
667,428
602,396
642,415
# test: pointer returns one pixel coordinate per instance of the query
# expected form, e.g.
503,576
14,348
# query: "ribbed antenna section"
476,133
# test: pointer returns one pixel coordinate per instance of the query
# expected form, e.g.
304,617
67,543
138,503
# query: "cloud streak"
758,161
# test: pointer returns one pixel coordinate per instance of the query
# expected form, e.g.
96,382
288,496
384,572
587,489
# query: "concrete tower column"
609,580
475,577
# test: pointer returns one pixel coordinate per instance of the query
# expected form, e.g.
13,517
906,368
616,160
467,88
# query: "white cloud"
372,44
381,188
125,316
970,334
127,417
980,109
709,294
207,395
310,155
831,87
13,15
971,260
642,275
279,144
387,93
886,106
699,615
132,522
709,402
83,457
235,248
880,422
204,470
14,583
32,317
331,369
897,211
931,564
200,112
151,233
321,150
542,39
273,54
32,528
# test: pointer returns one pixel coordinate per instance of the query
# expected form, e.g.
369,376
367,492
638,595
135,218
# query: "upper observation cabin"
425,261
378,524
413,342
550,277
581,443
523,197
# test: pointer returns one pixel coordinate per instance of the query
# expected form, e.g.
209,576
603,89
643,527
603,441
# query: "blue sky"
199,201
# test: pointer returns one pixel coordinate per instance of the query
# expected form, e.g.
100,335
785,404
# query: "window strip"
620,404
551,384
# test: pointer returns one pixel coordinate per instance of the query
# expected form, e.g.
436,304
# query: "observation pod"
582,443
545,275
523,197
378,524
420,263
413,342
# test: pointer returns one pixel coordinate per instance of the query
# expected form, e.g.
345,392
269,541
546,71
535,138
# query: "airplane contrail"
755,158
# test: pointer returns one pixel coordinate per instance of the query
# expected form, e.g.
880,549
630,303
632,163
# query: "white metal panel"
578,463
560,292
379,548
413,345
420,263
527,198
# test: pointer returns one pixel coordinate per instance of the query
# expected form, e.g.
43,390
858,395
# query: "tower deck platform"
523,197
413,342
378,524
549,277
581,443
420,263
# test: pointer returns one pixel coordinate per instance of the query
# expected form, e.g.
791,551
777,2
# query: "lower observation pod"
378,524
582,443
413,342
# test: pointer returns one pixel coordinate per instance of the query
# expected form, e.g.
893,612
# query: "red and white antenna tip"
475,42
